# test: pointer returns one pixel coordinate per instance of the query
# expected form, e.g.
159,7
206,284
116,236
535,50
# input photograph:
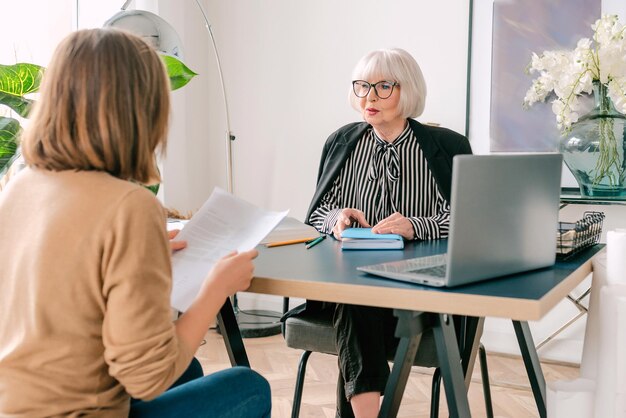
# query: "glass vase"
593,149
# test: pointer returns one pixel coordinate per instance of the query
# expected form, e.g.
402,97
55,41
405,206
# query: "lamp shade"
155,30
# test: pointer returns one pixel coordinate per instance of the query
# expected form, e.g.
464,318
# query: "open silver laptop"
503,220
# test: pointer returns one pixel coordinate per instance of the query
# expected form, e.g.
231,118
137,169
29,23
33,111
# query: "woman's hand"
232,273
229,275
346,218
175,245
395,224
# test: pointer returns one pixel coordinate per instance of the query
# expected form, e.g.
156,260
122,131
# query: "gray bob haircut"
394,65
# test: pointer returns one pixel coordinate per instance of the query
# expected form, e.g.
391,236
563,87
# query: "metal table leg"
409,329
533,366
405,354
449,360
232,336
583,310
469,342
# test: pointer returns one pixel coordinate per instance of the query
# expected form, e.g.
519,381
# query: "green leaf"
9,130
178,72
154,188
15,82
20,105
9,165
20,79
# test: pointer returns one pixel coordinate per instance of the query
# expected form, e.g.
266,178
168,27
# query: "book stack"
365,239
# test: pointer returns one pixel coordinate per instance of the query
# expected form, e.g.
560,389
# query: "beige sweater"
85,280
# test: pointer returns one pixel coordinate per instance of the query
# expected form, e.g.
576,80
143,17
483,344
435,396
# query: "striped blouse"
381,178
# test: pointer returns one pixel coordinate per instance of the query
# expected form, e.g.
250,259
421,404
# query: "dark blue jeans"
235,392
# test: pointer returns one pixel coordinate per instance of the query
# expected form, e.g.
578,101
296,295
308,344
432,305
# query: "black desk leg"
533,367
410,327
449,361
232,337
469,342
405,354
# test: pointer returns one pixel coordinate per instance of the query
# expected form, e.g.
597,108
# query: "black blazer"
439,146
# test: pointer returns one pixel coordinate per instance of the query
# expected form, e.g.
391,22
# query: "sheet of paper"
290,229
223,224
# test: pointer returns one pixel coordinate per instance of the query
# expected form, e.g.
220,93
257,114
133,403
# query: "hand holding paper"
223,224
237,267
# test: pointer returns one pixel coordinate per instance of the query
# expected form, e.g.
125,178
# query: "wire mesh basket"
573,237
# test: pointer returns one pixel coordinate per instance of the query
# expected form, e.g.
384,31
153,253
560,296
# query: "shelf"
571,195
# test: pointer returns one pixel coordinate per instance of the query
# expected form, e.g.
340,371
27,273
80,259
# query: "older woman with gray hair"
394,174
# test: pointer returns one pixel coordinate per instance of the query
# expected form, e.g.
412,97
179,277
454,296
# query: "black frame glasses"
362,84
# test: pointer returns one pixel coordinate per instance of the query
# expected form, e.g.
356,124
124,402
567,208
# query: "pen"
292,241
316,241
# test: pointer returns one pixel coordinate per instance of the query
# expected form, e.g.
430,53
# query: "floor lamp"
160,34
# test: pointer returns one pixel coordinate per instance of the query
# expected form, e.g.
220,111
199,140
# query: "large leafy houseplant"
16,82
20,80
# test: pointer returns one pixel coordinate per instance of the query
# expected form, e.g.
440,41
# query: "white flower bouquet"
568,74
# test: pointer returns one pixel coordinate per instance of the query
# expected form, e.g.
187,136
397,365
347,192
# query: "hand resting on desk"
345,220
396,223
393,224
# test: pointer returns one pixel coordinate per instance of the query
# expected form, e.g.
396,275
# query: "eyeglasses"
383,89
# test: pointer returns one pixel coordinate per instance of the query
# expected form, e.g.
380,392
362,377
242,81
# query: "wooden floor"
270,356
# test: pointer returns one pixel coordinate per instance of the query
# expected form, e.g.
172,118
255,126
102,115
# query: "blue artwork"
519,29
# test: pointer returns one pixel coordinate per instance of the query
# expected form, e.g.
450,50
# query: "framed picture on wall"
504,35
555,24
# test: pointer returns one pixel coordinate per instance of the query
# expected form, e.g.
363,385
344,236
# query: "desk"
572,196
326,273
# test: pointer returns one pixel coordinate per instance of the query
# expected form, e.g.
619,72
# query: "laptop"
503,220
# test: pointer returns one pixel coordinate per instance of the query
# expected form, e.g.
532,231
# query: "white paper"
591,346
611,373
223,224
616,256
572,398
289,229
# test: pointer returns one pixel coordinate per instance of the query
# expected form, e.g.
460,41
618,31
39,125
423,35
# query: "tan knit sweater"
85,279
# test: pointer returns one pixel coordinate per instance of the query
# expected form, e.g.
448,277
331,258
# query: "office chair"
314,332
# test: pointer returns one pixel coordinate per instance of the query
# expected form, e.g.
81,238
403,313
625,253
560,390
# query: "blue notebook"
364,239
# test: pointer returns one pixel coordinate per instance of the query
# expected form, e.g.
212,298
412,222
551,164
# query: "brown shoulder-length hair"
104,105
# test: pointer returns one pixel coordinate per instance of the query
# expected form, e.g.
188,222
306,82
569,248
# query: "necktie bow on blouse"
385,169
386,162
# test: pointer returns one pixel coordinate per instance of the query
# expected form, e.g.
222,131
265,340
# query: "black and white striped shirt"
380,178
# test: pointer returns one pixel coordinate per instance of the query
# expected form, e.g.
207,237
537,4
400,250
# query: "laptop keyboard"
435,263
430,270
436,271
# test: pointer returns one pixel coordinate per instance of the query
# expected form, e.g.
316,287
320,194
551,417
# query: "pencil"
291,241
316,241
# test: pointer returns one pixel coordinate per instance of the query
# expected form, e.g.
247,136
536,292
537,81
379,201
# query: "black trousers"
365,342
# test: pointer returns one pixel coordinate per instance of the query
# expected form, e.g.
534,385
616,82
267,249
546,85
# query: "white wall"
287,66
31,29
